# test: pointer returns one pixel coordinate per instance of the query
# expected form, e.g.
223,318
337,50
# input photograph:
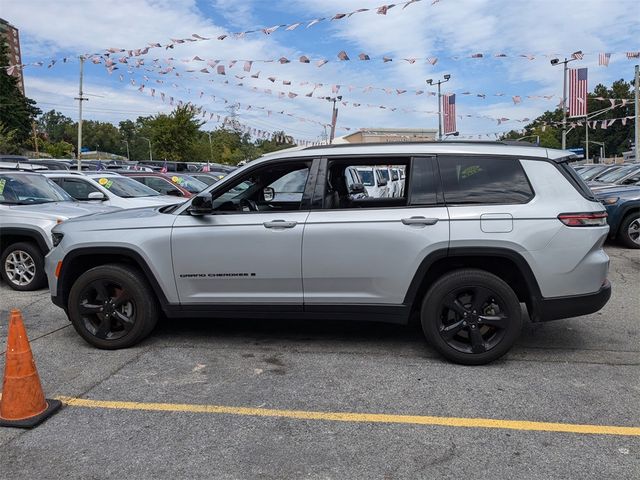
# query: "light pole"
126,142
530,136
334,117
150,154
586,129
80,99
210,147
637,105
430,81
554,62
603,152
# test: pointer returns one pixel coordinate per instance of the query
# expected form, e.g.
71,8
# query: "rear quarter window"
483,180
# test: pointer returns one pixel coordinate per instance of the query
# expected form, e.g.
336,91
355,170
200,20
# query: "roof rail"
434,142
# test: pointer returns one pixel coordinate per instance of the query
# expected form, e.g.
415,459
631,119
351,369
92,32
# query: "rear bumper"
573,306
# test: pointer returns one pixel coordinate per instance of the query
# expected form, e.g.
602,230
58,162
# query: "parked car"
207,177
393,180
485,229
165,184
623,206
30,205
594,172
626,175
376,185
110,189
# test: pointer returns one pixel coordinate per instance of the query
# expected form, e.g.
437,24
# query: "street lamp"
150,154
210,146
554,62
439,82
334,116
452,134
530,136
127,144
603,152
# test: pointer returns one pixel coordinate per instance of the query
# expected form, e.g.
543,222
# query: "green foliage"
59,149
9,144
16,111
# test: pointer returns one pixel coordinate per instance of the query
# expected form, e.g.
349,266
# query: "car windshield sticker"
178,180
105,182
2,184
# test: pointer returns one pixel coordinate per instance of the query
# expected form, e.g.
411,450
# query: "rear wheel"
22,266
471,316
630,230
112,306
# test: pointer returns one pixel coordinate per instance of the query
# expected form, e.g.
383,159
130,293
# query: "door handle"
279,224
419,221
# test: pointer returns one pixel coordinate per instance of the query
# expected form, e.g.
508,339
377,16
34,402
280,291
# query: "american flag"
631,55
577,92
449,113
164,167
603,59
577,55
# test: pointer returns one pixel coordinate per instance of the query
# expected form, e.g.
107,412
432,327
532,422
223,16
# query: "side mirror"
382,182
395,178
97,196
269,194
201,205
356,189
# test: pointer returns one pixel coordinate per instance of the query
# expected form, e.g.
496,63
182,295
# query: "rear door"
366,251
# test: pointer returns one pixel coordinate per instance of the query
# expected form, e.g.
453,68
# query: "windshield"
30,190
189,183
616,175
384,173
208,179
125,187
367,177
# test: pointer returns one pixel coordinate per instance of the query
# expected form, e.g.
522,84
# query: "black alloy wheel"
471,316
112,306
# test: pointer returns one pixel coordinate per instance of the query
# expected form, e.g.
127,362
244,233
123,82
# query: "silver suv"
480,230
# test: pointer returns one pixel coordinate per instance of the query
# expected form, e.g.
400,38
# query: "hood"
55,210
120,219
158,200
620,191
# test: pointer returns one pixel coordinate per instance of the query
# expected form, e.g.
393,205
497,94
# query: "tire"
629,233
22,266
477,338
112,306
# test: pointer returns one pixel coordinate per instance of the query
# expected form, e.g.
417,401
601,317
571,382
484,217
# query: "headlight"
56,238
610,200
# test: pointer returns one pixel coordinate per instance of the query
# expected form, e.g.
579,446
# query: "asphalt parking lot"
241,399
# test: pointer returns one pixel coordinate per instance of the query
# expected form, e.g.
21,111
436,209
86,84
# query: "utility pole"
35,139
210,147
439,82
637,104
150,155
80,99
126,142
334,117
554,62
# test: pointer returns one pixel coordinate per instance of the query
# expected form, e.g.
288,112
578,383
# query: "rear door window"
483,180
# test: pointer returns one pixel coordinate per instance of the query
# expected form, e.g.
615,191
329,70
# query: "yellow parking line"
359,417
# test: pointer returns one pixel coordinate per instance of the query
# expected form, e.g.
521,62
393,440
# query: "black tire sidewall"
141,296
468,277
40,278
624,230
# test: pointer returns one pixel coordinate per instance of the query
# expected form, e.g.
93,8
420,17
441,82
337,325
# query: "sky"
449,30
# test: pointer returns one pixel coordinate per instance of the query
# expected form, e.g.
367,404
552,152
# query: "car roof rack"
432,142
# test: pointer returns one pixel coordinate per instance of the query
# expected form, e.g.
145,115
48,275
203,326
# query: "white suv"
481,230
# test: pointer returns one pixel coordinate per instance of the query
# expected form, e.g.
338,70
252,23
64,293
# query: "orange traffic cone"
22,404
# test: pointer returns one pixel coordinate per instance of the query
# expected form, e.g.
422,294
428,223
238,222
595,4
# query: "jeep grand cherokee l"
480,230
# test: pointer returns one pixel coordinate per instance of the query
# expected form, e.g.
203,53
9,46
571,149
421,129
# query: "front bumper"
573,306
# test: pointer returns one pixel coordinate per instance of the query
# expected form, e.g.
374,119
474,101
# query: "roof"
423,148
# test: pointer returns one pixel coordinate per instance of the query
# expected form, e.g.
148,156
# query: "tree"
59,149
8,142
173,136
56,127
17,112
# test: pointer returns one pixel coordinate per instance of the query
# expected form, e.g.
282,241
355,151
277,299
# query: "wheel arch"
80,260
504,263
11,235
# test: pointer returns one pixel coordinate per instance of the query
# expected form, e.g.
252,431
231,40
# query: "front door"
248,250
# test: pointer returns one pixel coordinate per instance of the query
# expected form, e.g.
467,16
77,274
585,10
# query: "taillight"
597,219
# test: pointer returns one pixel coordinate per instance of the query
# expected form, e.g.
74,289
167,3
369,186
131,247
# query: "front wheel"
23,267
630,230
471,316
112,306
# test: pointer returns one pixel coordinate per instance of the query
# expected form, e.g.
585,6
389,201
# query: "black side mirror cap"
201,205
